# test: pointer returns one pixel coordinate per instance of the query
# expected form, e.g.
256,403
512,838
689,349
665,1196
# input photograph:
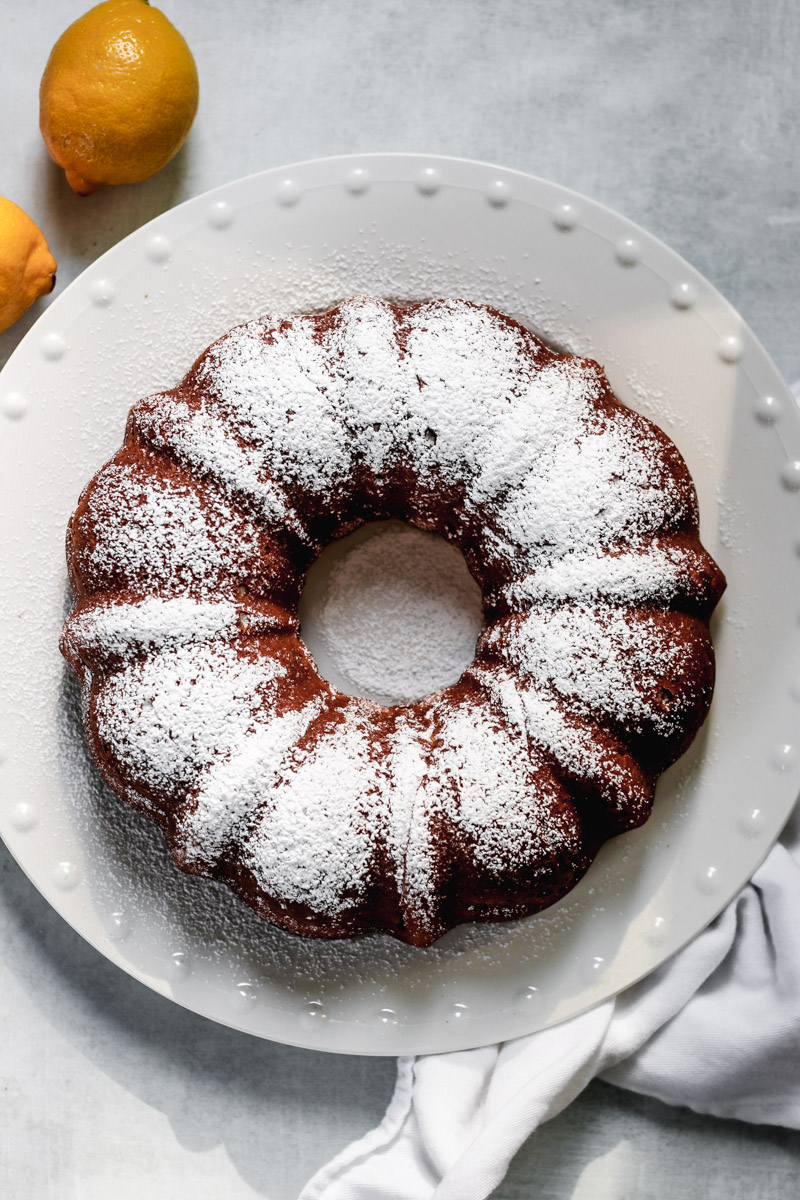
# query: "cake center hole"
391,613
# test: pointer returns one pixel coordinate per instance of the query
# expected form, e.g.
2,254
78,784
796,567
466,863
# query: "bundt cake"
328,814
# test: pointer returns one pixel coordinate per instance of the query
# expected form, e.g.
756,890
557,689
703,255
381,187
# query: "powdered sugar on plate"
399,616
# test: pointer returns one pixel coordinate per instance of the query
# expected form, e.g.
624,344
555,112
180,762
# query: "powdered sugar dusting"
408,834
170,715
232,789
577,507
278,391
159,533
602,659
488,784
580,749
199,439
657,573
605,484
316,836
124,629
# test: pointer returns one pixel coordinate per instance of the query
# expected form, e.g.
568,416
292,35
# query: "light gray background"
681,115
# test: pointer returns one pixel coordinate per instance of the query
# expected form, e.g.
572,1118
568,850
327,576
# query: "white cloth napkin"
716,1029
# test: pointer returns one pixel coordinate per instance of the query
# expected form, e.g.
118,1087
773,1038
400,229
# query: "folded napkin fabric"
717,1028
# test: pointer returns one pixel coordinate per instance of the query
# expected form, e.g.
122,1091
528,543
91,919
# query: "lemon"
27,268
118,95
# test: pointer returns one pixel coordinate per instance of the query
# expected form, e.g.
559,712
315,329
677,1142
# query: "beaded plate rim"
466,1012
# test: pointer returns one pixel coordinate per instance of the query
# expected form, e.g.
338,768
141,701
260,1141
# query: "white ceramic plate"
410,227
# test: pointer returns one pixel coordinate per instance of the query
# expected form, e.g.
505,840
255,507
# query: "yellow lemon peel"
27,268
118,95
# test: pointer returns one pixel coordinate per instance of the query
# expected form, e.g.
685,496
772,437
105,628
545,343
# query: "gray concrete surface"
683,116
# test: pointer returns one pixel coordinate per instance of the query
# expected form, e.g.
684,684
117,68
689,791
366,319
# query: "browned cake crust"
331,815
